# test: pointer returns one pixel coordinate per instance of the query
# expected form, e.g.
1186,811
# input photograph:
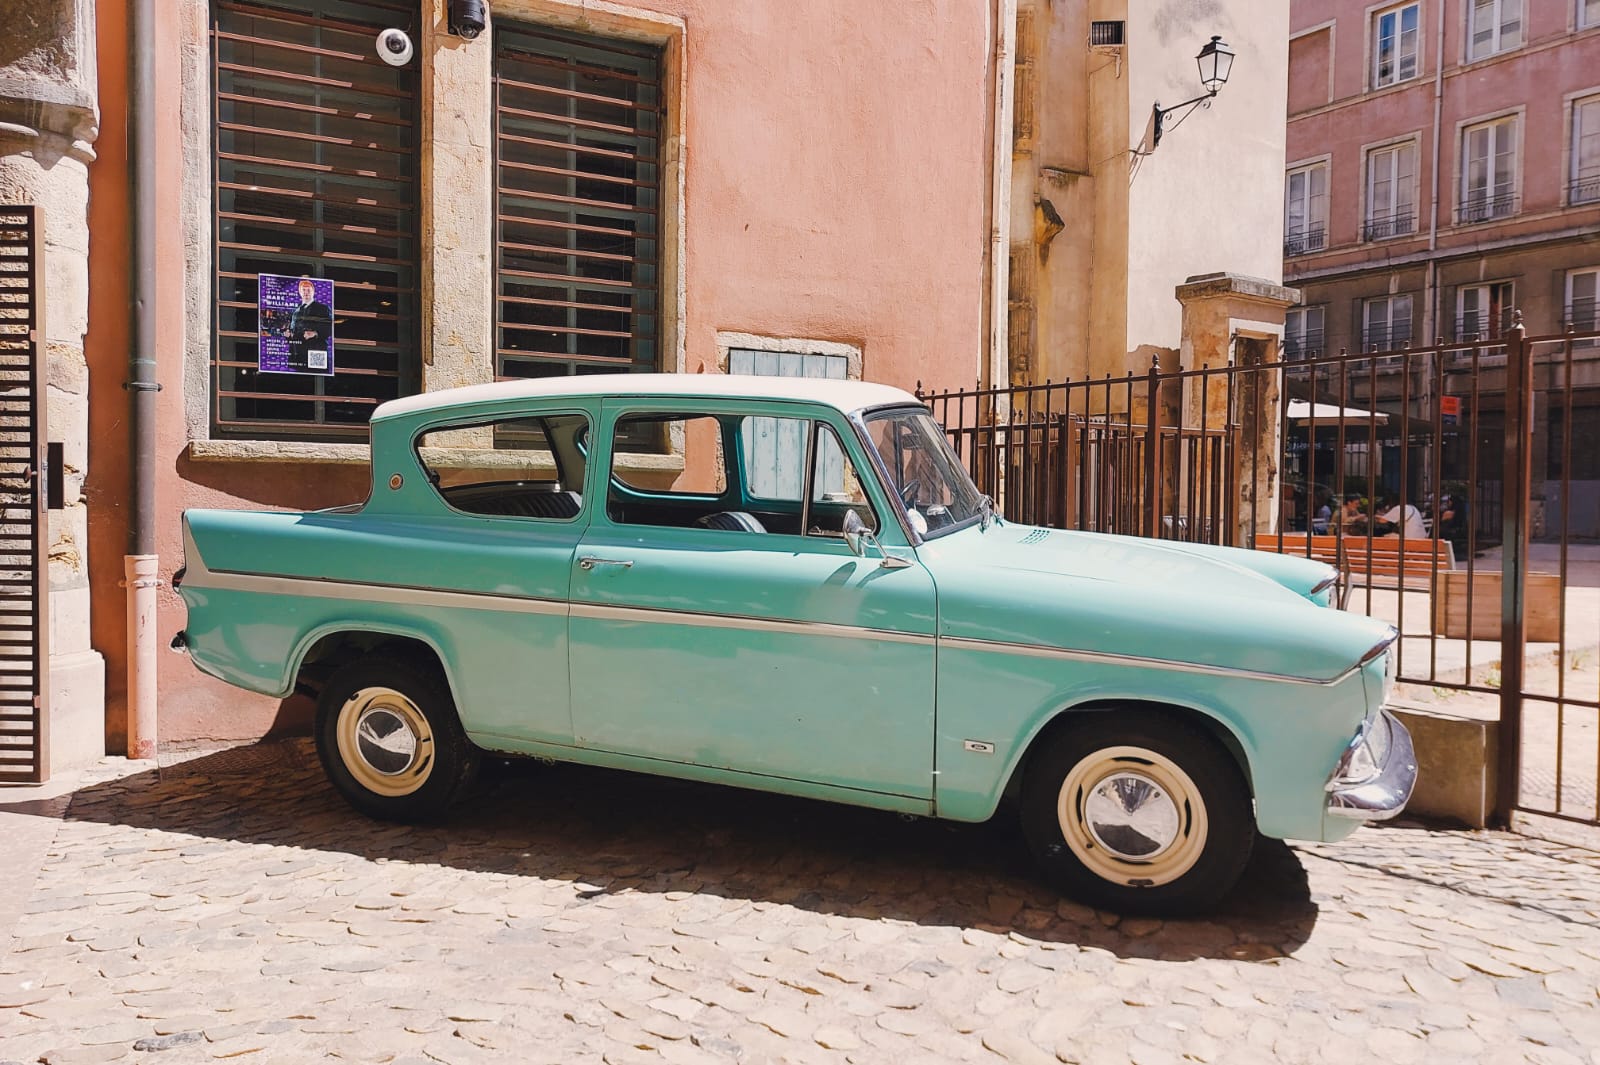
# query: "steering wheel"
908,493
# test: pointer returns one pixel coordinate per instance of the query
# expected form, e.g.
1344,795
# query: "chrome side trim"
651,615
316,588
1379,647
1326,583
1076,655
201,577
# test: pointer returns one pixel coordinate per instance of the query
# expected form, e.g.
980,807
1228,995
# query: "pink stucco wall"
1552,63
836,189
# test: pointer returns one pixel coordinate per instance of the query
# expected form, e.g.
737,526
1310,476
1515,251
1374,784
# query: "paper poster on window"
296,315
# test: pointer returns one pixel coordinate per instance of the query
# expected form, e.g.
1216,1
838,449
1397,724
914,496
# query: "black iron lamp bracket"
1161,113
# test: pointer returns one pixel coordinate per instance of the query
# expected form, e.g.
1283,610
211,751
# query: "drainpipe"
1430,308
141,565
1000,199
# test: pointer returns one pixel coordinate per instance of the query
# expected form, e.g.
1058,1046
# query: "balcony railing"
1304,346
1383,227
1386,338
1484,208
1306,242
1581,316
1470,327
1584,190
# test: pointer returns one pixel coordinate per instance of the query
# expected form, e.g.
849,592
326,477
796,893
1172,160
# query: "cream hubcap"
385,742
1132,816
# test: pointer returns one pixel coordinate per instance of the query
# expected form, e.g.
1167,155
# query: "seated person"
1400,519
1324,515
1350,515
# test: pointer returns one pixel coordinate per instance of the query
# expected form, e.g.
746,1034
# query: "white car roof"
846,396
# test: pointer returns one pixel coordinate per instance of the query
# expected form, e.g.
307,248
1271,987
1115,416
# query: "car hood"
1196,569
1145,598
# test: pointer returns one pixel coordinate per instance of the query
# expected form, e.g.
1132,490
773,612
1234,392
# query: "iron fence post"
1518,475
1152,449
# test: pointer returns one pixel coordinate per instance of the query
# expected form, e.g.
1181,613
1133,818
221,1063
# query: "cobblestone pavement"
571,915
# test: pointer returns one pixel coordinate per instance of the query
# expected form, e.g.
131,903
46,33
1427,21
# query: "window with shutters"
1493,26
1483,312
1584,185
314,176
1303,333
1305,211
1386,323
1488,171
578,123
1394,45
1582,312
1391,192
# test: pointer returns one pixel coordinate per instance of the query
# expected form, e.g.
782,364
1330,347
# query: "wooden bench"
1409,564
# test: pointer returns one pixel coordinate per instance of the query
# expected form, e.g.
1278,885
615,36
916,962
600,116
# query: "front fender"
1290,735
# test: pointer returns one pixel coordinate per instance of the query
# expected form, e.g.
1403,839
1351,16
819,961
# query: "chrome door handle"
590,562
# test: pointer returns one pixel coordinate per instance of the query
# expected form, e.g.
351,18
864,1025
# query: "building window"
1391,192
1394,45
1493,26
1582,312
1305,212
1489,171
314,169
1483,312
1584,186
578,125
1386,323
1303,333
1588,13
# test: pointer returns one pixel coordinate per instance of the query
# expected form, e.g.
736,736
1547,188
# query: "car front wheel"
390,741
1138,812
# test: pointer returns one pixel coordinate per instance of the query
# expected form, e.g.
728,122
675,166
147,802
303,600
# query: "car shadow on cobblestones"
608,832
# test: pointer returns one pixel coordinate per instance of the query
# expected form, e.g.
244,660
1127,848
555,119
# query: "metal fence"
24,718
1456,486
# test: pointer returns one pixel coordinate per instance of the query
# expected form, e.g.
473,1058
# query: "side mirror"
856,533
858,536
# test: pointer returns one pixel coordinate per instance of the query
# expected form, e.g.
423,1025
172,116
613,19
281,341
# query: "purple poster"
296,315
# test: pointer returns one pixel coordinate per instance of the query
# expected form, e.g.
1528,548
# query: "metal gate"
24,571
1456,486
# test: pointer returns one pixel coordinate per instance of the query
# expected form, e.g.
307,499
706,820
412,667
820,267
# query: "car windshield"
924,473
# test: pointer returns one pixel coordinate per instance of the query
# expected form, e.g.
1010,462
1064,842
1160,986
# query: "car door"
501,511
698,638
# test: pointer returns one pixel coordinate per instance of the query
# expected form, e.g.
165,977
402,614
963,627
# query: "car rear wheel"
390,741
1138,812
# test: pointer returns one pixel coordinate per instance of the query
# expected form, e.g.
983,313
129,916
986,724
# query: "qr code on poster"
316,360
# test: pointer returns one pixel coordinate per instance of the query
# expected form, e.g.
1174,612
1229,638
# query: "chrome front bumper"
1383,792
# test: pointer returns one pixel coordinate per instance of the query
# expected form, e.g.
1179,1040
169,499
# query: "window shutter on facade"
578,125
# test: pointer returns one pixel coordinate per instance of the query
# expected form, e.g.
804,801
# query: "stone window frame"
1569,148
1497,47
1373,14
457,125
1323,162
1414,140
1458,184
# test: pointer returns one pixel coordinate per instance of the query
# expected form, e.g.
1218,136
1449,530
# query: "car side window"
529,466
835,488
643,490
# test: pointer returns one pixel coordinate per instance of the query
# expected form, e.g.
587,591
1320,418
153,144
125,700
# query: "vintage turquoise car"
793,585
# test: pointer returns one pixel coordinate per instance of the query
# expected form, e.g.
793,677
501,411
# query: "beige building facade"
943,193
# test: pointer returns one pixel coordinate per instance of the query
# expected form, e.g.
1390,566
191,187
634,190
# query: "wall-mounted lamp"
1216,62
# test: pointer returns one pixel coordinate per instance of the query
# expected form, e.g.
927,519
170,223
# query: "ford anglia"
793,585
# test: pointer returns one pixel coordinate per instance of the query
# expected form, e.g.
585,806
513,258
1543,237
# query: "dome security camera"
468,18
394,47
